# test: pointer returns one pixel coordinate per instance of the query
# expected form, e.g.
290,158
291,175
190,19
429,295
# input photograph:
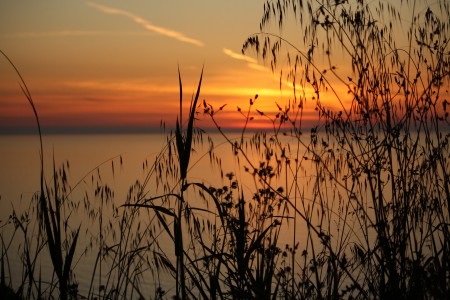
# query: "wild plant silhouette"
356,206
381,149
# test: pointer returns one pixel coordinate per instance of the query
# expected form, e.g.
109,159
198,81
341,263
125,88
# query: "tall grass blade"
188,145
184,143
69,256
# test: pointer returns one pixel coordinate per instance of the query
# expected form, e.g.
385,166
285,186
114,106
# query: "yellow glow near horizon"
93,61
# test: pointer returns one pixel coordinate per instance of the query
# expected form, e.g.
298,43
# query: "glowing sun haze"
109,66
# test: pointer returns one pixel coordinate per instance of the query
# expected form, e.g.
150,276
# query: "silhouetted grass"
380,157
355,207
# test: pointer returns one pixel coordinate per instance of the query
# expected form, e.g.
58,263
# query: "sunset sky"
112,65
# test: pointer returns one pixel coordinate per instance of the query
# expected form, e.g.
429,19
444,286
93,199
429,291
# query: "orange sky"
112,65
99,66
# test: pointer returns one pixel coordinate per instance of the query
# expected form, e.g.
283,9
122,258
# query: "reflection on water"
19,182
81,155
121,161
103,170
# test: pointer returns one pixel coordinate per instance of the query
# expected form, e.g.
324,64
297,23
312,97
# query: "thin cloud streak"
257,67
69,33
251,62
120,86
143,86
130,87
147,25
239,56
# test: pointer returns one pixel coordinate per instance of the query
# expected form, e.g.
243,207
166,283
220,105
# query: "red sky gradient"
112,65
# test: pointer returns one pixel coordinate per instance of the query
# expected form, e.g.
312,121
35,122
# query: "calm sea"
20,171
96,158
19,179
20,164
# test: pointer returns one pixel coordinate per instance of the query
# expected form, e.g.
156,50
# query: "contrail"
239,56
69,33
147,25
251,62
